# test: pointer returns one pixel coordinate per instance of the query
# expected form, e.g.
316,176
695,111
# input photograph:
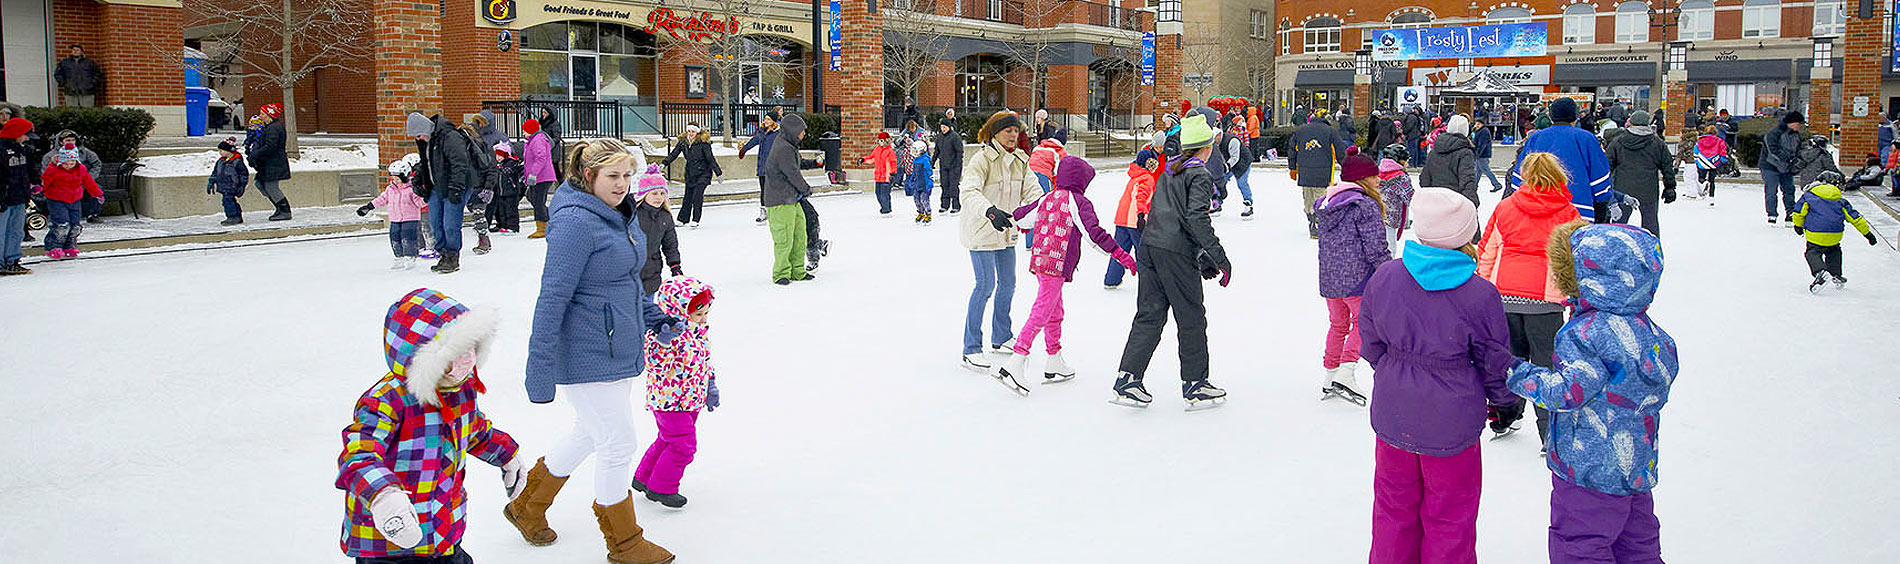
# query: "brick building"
1747,56
116,34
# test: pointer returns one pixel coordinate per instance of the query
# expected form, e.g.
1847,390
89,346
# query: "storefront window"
980,80
543,75
549,37
771,74
588,61
1761,18
583,36
1322,35
1830,18
1632,22
1580,24
1508,16
1697,22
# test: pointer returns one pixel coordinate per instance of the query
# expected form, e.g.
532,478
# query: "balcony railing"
1105,15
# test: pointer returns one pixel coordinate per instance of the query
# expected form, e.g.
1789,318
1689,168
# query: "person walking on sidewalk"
999,177
537,167
228,179
271,162
782,185
19,175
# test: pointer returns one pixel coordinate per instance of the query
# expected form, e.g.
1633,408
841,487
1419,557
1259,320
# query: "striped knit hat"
652,180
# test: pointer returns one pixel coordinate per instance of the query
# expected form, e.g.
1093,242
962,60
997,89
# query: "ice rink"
186,407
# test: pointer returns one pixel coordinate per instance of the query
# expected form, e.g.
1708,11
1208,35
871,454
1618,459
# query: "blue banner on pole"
1148,57
1461,42
1895,63
837,35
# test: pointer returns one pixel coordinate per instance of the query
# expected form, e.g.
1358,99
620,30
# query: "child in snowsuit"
66,182
1871,173
1511,256
1437,337
679,384
663,243
1822,218
482,194
405,215
1352,244
1813,159
1613,373
917,184
1137,198
229,176
1044,160
1062,216
1711,156
883,161
1893,168
1396,187
401,469
510,185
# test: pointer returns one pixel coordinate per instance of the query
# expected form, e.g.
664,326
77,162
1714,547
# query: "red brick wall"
1068,88
135,73
861,96
1861,78
473,69
940,89
408,76
1168,85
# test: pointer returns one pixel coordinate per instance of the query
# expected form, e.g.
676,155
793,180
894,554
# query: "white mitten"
395,517
512,476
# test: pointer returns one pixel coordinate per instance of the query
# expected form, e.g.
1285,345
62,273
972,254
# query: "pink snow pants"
665,461
1592,527
1044,317
1425,508
1342,334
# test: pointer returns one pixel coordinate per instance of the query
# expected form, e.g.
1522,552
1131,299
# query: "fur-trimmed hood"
427,330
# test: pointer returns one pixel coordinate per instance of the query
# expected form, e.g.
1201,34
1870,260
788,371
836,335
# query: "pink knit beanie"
1443,218
652,180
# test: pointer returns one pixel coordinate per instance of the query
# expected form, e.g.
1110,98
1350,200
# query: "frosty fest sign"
1460,42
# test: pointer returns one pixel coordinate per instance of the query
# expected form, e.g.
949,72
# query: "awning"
1486,83
1310,78
1603,74
1756,71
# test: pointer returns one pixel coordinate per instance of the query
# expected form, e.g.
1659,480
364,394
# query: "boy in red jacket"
883,160
66,182
1137,197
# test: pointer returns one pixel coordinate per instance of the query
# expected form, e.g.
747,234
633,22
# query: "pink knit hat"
1443,218
652,180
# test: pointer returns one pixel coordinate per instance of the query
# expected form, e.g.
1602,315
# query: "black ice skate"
1130,393
1338,390
1247,211
1840,282
1820,281
1201,395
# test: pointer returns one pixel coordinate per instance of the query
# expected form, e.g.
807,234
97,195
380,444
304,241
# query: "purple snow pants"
660,469
1425,508
1592,527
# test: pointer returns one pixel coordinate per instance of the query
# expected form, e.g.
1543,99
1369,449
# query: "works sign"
678,25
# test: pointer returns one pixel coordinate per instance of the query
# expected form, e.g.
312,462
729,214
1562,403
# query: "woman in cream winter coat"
995,179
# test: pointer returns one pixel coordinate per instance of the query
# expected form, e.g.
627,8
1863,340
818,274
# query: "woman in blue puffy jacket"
589,334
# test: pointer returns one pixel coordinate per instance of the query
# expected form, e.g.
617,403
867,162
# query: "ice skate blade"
1049,378
1194,406
1507,432
1128,403
1010,382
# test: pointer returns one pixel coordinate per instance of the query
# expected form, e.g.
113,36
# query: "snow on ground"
185,407
311,158
123,227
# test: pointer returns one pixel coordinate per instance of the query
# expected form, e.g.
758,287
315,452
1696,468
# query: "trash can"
197,103
833,147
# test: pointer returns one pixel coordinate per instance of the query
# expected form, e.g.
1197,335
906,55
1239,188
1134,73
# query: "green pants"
788,241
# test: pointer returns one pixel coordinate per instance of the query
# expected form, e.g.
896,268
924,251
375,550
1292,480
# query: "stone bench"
165,197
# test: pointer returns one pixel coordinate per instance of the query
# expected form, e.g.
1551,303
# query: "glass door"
582,88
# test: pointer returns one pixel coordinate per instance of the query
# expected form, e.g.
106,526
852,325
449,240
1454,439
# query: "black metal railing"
1000,11
1104,119
1105,15
576,118
713,117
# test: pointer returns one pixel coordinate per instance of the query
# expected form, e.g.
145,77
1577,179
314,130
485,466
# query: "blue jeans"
64,217
1484,171
1240,179
1127,238
883,197
231,209
445,220
405,238
12,233
995,276
1770,179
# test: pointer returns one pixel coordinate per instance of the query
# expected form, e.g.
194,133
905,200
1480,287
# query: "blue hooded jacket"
592,316
1613,369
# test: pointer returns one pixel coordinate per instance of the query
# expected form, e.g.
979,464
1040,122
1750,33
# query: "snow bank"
314,158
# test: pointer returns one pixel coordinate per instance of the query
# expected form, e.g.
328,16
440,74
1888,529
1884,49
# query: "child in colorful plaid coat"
679,384
405,490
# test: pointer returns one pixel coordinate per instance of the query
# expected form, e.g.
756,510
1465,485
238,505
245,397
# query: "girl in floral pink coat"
679,384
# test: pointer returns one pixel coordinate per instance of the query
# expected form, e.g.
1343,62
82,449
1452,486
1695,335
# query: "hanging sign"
1895,32
837,35
498,12
1148,57
1410,96
1461,42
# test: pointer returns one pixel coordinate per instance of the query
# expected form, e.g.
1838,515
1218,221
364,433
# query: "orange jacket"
1137,197
1511,255
1253,123
884,161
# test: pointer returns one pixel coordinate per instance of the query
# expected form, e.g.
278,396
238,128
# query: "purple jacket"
1068,215
1351,241
1437,337
538,159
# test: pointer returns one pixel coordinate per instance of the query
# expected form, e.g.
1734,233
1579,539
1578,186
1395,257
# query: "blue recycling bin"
193,76
197,104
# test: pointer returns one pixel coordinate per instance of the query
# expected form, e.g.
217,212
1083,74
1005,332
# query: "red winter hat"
274,110
883,135
1357,167
700,300
531,127
16,128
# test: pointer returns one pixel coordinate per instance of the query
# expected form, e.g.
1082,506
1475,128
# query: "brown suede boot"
626,542
540,230
528,511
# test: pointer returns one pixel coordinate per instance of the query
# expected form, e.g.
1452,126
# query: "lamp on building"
1823,52
1362,61
1677,58
1464,65
1170,11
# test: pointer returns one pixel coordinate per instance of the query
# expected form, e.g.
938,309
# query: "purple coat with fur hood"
1351,240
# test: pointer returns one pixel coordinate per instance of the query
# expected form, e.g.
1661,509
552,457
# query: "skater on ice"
1822,219
1395,186
701,167
917,185
404,209
997,177
883,161
1612,376
510,185
680,383
538,158
1132,213
784,187
949,164
1352,244
663,242
1512,256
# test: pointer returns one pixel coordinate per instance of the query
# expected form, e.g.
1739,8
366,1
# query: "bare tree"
1200,57
723,50
914,41
1125,59
280,43
1256,56
1031,48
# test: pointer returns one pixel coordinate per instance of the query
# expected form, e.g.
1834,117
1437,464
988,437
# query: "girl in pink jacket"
404,207
679,385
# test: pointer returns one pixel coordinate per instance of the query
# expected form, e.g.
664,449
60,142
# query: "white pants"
603,425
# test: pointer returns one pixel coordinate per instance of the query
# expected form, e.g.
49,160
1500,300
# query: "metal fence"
1105,15
894,114
575,118
713,117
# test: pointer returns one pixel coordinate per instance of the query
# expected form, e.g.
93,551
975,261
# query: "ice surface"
185,407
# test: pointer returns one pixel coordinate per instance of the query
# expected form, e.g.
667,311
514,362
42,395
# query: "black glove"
1209,268
677,271
1141,221
1503,417
364,211
1871,240
1669,196
1799,231
998,218
208,188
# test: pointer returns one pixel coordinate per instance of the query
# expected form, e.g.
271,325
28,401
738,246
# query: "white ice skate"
1343,383
1006,347
1055,370
1006,374
976,361
399,264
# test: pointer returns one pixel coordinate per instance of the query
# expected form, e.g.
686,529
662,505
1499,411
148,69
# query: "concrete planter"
182,196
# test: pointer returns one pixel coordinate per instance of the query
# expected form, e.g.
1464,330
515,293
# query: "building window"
1260,25
1632,22
1761,18
1322,35
1286,42
1830,18
1508,16
1580,24
1696,22
1411,20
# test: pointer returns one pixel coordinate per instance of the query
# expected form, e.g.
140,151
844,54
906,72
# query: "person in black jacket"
79,78
1414,124
663,243
949,165
701,167
510,185
1178,249
270,161
1384,132
1481,154
1638,160
228,178
1452,164
1777,165
1316,149
19,175
447,175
